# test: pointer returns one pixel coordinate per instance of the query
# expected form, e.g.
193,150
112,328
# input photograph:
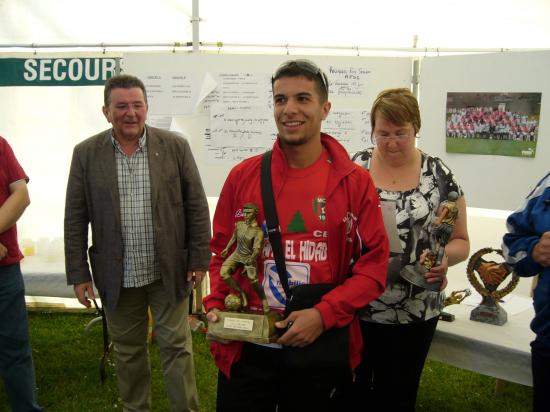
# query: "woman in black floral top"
398,327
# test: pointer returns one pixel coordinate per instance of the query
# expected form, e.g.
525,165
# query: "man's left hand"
302,328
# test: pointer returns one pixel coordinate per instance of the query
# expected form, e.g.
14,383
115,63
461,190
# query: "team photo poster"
504,124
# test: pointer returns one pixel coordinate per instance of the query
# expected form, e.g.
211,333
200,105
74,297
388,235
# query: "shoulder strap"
272,221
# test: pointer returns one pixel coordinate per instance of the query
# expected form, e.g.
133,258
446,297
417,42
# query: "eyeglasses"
399,136
305,65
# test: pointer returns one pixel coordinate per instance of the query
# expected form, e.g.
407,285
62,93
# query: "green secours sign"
56,71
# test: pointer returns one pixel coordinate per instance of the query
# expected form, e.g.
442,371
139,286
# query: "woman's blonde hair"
399,106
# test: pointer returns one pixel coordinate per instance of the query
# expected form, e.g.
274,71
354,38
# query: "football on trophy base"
233,302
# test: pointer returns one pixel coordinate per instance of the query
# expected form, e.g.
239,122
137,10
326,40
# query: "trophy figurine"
237,321
440,235
492,274
454,298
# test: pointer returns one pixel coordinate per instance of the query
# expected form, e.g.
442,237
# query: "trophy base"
415,275
446,316
247,327
494,315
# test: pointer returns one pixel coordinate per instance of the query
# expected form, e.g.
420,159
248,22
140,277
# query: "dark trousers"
540,365
388,376
16,365
260,383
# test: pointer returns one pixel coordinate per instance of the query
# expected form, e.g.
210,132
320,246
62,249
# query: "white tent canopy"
465,24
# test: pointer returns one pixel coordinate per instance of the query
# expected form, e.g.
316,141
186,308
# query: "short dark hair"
122,81
307,69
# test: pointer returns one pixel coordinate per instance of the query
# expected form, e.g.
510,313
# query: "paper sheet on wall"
208,85
170,93
237,89
390,223
190,127
177,127
160,121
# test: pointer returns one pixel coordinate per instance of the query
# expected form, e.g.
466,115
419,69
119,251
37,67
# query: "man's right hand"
84,292
212,316
541,251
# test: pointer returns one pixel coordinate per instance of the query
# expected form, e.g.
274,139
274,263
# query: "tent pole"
415,70
195,20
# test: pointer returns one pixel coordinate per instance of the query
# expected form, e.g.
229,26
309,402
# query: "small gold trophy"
441,233
454,298
237,322
492,274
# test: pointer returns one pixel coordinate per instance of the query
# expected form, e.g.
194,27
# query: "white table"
499,351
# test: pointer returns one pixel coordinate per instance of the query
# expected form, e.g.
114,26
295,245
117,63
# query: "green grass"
67,367
444,388
492,147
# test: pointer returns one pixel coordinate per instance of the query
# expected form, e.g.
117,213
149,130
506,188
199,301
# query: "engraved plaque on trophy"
492,274
237,322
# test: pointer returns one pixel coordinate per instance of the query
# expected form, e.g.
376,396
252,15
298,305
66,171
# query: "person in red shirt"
329,218
16,364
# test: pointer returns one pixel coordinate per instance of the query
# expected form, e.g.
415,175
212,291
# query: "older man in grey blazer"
139,188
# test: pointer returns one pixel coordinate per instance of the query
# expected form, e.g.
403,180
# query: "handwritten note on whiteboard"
349,127
236,133
348,81
242,127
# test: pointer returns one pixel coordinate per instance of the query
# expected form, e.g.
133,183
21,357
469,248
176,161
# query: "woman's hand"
438,273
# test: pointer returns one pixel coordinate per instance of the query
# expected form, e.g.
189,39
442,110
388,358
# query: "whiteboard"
492,182
222,103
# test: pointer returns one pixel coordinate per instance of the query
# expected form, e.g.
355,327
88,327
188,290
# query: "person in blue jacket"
526,247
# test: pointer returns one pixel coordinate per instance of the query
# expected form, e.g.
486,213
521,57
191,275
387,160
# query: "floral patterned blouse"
403,302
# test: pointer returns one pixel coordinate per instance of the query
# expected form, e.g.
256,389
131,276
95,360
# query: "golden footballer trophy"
454,298
237,322
492,274
442,230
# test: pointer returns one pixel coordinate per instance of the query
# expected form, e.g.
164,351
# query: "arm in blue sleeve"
519,242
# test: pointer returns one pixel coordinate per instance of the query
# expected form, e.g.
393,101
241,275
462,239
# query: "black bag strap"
272,221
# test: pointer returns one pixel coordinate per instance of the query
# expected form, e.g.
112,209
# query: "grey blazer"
180,215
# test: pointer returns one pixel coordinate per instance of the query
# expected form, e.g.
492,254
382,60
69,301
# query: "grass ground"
492,147
67,366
